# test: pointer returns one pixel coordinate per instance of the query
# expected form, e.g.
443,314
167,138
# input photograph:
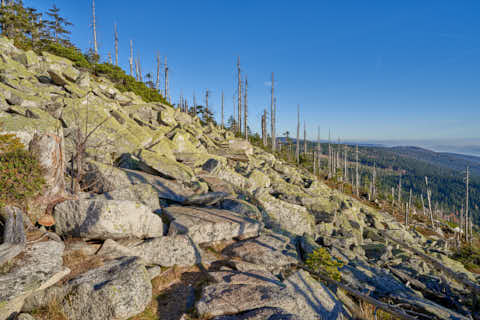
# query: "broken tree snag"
393,310
13,234
437,264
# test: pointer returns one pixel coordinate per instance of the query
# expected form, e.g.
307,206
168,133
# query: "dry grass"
368,313
52,312
80,263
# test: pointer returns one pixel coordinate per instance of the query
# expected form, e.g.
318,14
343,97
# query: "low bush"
469,256
321,261
71,53
21,176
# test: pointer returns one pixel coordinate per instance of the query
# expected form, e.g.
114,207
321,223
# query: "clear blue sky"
365,69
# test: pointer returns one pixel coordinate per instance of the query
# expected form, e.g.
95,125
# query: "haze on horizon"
398,71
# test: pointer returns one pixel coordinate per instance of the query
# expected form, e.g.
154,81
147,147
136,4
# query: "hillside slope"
179,220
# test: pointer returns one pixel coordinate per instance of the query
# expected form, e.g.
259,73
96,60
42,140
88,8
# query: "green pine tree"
57,26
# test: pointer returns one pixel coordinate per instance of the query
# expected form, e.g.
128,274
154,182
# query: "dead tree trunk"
374,182
357,177
345,173
423,205
94,26
467,219
400,191
239,101
429,198
116,45
223,124
305,138
319,150
297,149
110,58
131,58
157,83
245,109
264,128
140,77
272,114
166,79
194,104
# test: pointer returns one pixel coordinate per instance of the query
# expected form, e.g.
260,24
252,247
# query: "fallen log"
437,264
395,311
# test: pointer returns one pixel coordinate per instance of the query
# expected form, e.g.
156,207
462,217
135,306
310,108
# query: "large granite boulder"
118,290
39,267
143,193
209,224
284,216
266,313
163,251
106,219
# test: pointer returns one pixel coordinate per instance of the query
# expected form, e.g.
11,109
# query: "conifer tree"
58,26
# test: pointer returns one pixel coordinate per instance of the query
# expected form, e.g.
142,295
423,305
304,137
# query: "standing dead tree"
400,191
272,114
94,27
166,79
319,150
374,182
264,128
297,149
305,138
357,177
239,93
468,222
116,44
245,109
157,83
223,123
429,198
131,58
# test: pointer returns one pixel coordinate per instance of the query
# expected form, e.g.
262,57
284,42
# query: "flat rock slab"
106,219
39,267
224,299
314,300
208,224
266,313
118,290
142,192
105,178
256,277
269,250
164,251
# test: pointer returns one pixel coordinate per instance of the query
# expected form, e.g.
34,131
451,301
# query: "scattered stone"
241,207
143,193
118,290
207,199
106,219
209,224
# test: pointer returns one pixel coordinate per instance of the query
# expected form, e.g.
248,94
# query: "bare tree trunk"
131,58
95,46
223,124
468,228
166,79
393,197
157,83
194,105
423,205
345,173
245,109
140,77
319,150
274,121
110,58
272,110
297,149
429,198
357,178
374,182
400,190
305,138
206,98
239,101
264,128
330,165
116,45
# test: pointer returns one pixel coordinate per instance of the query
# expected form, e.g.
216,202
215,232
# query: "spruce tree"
57,26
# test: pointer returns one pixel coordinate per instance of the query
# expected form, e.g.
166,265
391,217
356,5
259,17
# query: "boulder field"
177,219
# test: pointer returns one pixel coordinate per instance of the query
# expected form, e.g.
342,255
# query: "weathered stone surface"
253,277
283,215
105,178
240,146
106,219
163,251
25,316
155,164
207,199
222,299
376,251
267,313
269,250
209,224
143,193
41,299
241,207
258,180
314,300
216,184
38,268
118,290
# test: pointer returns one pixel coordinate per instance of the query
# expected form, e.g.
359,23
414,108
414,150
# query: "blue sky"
367,70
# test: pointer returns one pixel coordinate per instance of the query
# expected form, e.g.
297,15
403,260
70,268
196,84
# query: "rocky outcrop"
118,290
106,219
209,224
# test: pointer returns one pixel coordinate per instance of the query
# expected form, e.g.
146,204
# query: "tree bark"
297,148
116,45
245,109
272,111
95,46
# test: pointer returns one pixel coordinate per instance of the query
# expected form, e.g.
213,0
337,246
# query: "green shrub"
21,177
321,261
71,53
124,82
469,256
10,143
